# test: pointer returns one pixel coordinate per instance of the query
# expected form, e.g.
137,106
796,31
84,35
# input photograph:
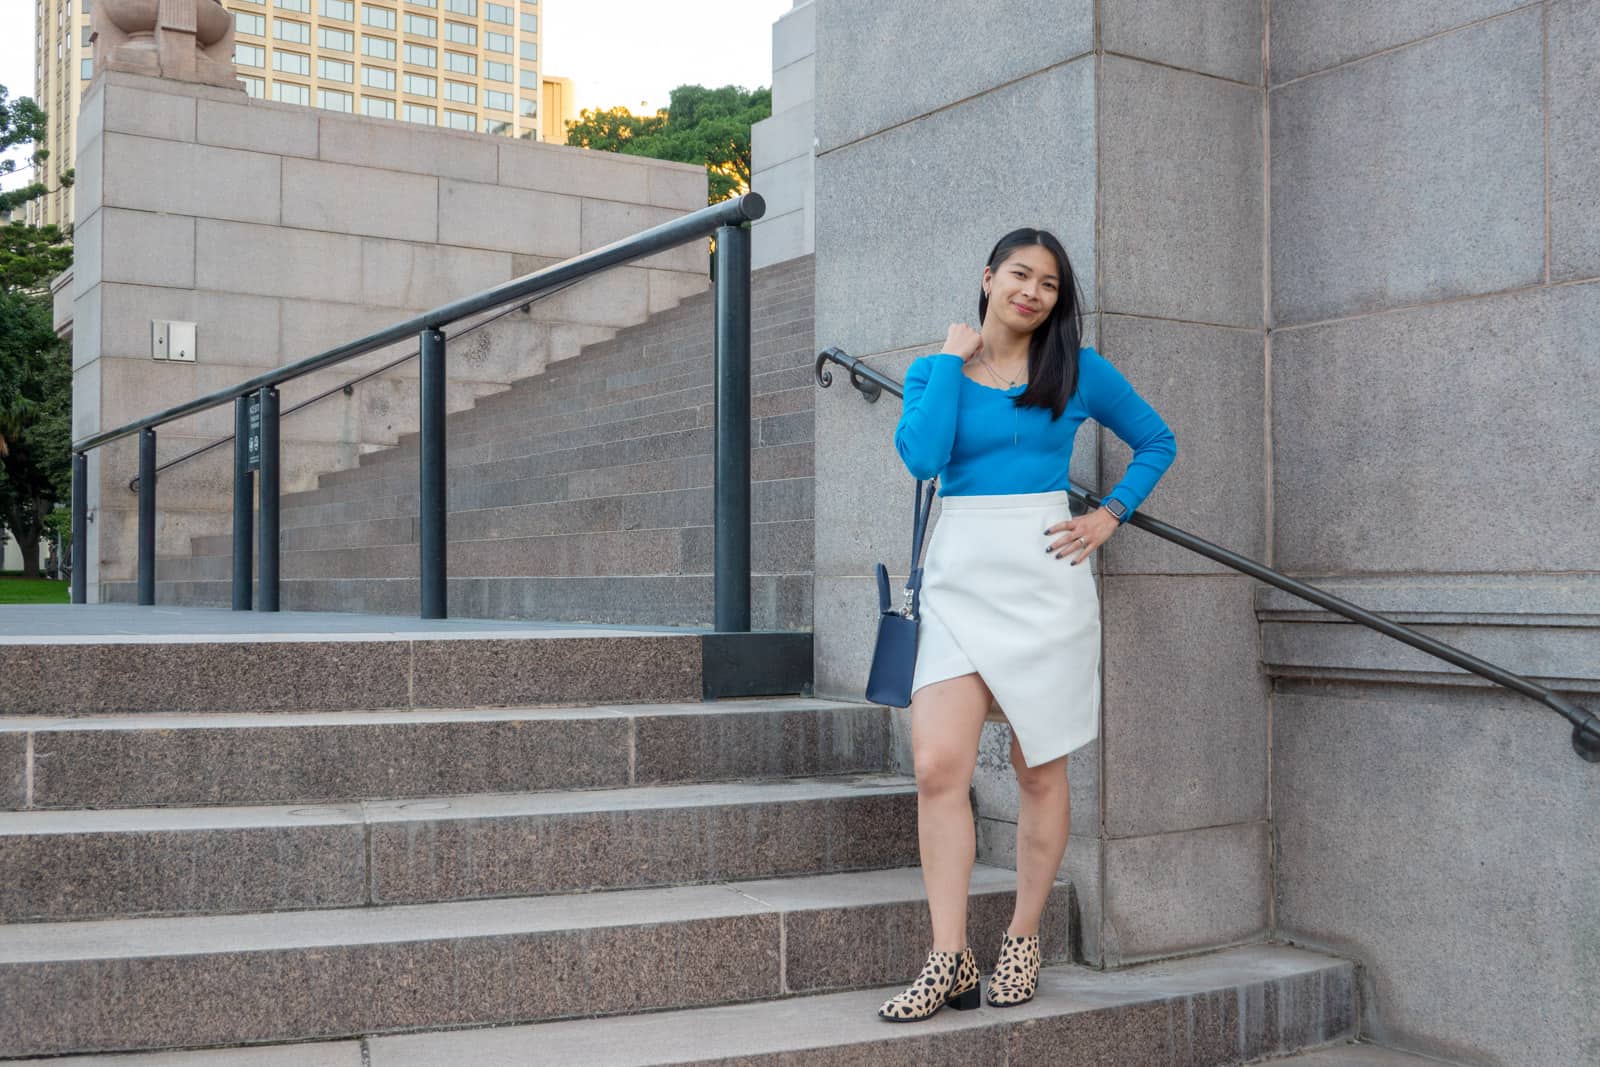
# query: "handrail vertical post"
80,526
244,492
147,516
432,490
267,600
731,491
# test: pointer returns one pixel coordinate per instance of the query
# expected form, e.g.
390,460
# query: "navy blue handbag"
894,656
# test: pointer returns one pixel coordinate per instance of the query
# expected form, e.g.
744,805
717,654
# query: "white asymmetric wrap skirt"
993,601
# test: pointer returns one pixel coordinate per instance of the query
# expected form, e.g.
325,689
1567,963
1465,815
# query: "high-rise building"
462,64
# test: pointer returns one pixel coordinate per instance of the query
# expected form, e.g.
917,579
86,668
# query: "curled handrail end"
1586,739
824,376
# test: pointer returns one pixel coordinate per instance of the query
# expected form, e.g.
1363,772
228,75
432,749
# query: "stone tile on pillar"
1181,194
1208,384
1172,893
1574,80
1312,35
1468,218
1185,718
1217,37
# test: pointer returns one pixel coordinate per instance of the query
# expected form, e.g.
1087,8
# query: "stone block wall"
1435,374
283,231
783,165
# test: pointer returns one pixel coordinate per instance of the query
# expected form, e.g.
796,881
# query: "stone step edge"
207,720
751,1032
452,808
25,944
782,1031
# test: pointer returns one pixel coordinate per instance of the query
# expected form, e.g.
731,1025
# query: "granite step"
305,975
777,601
1221,1009
152,760
450,666
85,865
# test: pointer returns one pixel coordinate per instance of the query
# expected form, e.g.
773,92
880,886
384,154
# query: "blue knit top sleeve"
927,429
1116,405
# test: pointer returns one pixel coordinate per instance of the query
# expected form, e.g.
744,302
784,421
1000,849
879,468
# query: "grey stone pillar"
1149,167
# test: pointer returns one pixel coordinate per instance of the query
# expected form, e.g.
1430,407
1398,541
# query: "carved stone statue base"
185,40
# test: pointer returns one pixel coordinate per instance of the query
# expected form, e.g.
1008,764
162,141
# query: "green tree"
706,126
35,364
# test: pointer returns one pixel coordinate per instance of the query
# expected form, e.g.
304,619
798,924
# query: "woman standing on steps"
1009,611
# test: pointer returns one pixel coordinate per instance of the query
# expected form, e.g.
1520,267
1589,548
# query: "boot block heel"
972,998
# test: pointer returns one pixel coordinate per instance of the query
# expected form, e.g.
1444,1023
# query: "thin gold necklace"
1012,384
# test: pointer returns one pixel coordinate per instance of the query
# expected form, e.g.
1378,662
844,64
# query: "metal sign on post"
253,441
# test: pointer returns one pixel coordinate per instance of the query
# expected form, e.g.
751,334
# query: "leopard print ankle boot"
947,978
1016,975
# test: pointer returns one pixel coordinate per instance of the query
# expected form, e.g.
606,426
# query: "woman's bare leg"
946,719
1043,822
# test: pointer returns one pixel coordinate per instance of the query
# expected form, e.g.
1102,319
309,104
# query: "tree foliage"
35,364
706,126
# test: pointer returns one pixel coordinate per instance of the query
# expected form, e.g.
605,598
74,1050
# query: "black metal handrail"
1585,726
727,221
348,387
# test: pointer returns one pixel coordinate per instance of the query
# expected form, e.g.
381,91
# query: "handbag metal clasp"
905,609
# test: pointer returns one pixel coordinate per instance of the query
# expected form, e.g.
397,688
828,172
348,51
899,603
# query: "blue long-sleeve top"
964,430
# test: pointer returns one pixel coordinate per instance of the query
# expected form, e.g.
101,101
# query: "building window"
335,40
249,55
381,17
530,22
498,42
421,55
530,51
423,3
290,93
496,72
85,42
256,87
462,7
377,47
377,78
377,108
460,64
287,30
334,100
302,6
497,126
496,101
461,92
527,107
421,85
85,69
422,26
528,79
457,121
497,13
419,113
291,63
334,70
460,33
343,10
243,22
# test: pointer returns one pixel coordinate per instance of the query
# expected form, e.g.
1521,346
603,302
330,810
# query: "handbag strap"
919,527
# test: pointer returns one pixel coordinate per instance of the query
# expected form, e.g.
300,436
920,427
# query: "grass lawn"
15,590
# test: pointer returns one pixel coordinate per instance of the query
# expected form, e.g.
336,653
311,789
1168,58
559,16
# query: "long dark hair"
1053,347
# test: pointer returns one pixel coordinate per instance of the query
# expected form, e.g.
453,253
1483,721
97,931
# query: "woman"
1008,613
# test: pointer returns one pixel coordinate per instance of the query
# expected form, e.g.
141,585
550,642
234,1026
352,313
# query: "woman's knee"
1045,778
943,769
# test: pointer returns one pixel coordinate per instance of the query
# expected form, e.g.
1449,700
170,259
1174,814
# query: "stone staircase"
521,848
581,494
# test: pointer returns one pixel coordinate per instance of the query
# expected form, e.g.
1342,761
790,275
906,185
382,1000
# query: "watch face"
1117,508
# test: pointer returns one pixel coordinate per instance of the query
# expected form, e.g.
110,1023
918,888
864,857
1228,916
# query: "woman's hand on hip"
963,341
1082,535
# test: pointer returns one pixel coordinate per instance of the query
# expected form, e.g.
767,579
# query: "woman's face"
1023,289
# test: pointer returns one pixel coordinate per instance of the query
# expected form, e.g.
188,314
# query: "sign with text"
252,450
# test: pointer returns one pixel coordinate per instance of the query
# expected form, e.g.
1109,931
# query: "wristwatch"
1118,509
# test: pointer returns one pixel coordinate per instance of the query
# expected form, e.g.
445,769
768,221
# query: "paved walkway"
22,624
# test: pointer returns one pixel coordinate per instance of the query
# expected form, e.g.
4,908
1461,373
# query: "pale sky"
617,52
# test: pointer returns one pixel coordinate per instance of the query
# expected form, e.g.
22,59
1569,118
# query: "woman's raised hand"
963,341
